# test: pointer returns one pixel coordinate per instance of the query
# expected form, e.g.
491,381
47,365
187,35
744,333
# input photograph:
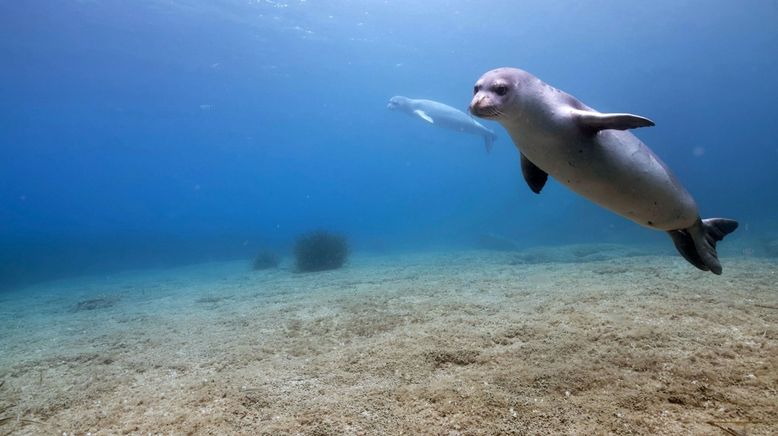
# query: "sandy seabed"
576,340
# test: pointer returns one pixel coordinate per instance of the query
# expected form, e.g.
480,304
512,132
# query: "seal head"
495,94
398,102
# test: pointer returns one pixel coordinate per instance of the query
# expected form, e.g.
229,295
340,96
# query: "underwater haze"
150,149
172,131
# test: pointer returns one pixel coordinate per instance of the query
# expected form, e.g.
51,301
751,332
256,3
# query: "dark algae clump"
320,250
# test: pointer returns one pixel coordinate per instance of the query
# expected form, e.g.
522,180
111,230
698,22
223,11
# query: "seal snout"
395,102
482,106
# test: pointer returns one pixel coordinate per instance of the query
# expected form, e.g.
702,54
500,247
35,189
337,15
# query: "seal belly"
615,170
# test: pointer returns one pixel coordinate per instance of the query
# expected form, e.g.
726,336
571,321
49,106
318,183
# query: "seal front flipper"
423,115
596,121
535,177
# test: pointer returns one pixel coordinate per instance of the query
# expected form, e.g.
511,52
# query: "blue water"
152,133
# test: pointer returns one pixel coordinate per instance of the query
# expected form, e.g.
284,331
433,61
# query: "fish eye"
500,90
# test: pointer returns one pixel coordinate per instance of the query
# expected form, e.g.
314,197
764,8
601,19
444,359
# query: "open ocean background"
141,134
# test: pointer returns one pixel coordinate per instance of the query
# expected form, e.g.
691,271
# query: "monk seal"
595,155
442,115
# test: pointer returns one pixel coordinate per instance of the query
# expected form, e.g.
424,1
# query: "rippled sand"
575,340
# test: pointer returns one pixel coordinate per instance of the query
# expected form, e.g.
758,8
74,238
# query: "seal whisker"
493,112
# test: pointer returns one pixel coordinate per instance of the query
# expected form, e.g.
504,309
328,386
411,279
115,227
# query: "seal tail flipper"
697,244
685,245
489,139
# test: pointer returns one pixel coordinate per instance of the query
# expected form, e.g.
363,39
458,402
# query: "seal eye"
500,90
475,90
